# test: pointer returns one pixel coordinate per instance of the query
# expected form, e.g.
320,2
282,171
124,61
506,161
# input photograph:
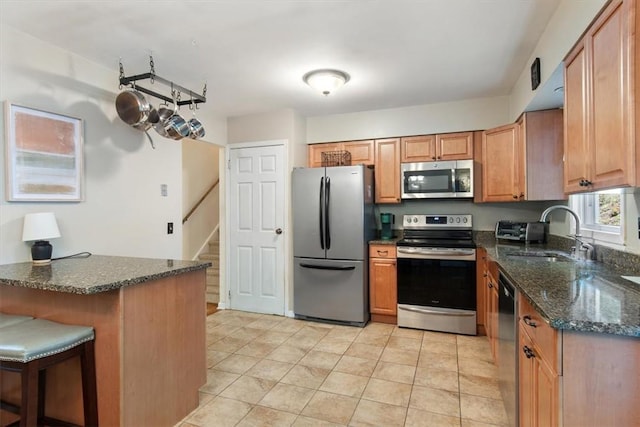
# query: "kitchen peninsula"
149,321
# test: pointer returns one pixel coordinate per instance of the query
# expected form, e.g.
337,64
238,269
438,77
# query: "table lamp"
40,227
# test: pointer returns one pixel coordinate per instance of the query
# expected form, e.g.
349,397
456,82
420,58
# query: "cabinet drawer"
544,337
382,251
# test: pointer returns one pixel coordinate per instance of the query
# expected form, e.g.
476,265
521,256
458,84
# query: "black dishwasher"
507,344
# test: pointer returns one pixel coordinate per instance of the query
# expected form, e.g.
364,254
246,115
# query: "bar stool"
30,347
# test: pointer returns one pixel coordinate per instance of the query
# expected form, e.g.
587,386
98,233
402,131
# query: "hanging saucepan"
196,129
132,107
176,127
164,112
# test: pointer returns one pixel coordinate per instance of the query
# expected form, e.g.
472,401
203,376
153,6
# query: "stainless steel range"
436,274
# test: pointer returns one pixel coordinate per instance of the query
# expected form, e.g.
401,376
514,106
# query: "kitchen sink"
540,256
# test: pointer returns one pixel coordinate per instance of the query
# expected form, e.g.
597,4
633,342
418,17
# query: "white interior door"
256,229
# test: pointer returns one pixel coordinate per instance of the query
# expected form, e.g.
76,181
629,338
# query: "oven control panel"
437,221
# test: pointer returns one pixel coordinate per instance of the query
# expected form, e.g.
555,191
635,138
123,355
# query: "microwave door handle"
320,207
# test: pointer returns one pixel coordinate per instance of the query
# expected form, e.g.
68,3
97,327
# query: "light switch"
163,190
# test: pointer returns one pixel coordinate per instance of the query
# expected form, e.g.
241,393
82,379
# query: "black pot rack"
176,93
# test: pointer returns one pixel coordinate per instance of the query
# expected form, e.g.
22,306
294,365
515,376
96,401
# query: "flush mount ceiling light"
326,80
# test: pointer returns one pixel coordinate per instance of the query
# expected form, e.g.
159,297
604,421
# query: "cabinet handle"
485,275
528,321
433,158
528,352
383,253
490,285
515,197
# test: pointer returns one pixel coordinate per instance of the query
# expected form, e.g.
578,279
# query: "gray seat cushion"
36,338
12,319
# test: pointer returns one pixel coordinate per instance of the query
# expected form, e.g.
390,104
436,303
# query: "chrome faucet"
581,250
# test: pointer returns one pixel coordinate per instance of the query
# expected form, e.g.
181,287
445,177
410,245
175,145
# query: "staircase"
213,272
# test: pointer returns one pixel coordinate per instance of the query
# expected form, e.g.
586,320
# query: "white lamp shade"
40,226
326,81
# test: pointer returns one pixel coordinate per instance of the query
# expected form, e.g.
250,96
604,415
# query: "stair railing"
199,202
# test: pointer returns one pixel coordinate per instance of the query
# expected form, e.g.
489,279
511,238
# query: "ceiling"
252,53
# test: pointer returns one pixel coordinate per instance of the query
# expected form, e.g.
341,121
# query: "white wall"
563,30
473,114
123,212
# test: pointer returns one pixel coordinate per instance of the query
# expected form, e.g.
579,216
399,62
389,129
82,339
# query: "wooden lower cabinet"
539,385
383,290
565,378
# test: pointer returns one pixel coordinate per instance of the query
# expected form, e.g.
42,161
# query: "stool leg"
29,407
42,388
89,388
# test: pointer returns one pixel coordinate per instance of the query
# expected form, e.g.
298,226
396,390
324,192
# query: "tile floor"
274,371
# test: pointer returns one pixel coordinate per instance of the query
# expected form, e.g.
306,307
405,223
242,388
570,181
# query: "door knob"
278,230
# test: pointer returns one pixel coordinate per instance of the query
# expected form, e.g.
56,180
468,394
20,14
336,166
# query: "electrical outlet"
163,190
169,228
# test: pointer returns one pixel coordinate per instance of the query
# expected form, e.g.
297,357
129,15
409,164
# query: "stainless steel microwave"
437,180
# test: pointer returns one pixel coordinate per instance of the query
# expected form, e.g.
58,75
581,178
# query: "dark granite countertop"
384,242
94,274
584,296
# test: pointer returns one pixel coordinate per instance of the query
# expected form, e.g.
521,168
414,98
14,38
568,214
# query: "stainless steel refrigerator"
333,221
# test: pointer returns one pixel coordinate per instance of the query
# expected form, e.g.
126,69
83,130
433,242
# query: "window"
602,215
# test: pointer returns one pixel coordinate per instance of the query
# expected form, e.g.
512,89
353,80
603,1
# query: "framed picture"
535,74
44,157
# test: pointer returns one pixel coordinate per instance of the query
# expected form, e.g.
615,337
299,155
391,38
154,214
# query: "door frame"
288,224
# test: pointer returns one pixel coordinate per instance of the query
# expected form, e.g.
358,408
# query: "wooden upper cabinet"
523,160
362,152
576,159
542,142
418,148
500,157
315,153
387,170
455,146
601,151
429,148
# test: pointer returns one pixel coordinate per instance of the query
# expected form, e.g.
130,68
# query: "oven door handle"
449,312
435,253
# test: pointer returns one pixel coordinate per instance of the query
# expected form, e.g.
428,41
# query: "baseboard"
290,314
222,306
206,243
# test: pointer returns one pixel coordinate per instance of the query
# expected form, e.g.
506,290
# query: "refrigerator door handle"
327,221
328,267
320,207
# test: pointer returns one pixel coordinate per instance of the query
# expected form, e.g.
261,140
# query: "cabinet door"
362,152
454,146
499,164
387,172
526,385
542,142
315,152
546,394
419,148
612,148
576,154
491,314
383,294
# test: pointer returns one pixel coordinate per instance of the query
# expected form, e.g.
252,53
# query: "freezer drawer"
332,290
